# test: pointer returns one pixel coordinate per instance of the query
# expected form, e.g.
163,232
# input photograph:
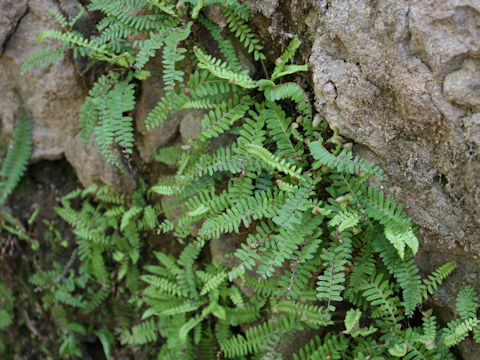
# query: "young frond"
281,67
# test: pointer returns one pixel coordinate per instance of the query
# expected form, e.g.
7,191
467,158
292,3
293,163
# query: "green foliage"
16,161
316,246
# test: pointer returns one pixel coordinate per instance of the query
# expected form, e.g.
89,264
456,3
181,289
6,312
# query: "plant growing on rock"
318,246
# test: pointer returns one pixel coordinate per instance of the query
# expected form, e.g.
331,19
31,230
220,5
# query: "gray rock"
462,87
12,12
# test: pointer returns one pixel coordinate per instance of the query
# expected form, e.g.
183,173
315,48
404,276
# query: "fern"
17,157
241,30
173,54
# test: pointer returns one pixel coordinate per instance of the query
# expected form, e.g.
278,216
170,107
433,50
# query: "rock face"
52,94
401,78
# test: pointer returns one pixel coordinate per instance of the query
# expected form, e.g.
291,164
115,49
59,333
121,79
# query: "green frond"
467,303
280,131
345,219
220,69
281,67
243,32
221,119
405,272
330,346
257,337
44,56
164,108
435,279
458,330
343,162
262,205
274,161
141,334
379,293
225,46
16,161
331,283
313,315
290,91
172,54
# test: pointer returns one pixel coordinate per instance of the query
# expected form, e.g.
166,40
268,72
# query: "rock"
53,94
191,125
12,13
91,167
462,87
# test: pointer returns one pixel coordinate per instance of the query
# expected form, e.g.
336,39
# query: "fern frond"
467,303
281,67
281,132
290,91
42,57
224,45
405,271
331,283
311,314
379,294
330,346
435,279
260,206
345,219
458,330
164,108
257,337
242,31
218,121
173,54
16,161
220,69
275,162
343,162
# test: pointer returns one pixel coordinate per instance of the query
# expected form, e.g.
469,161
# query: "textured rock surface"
53,94
401,78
